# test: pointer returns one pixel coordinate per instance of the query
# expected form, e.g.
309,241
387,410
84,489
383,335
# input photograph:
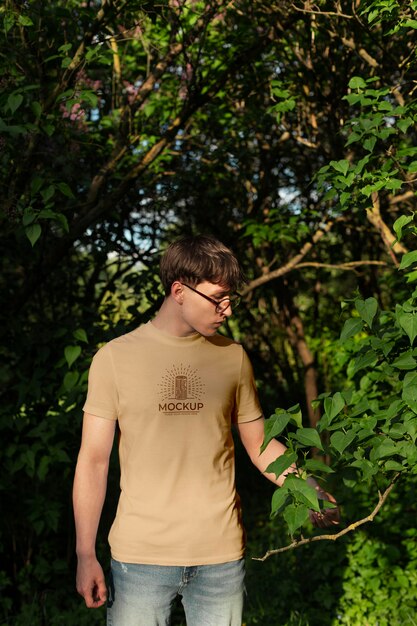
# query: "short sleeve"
102,396
248,407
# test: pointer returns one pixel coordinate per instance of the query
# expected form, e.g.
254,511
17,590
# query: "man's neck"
168,320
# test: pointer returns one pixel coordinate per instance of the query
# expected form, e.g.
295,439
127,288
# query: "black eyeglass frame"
232,300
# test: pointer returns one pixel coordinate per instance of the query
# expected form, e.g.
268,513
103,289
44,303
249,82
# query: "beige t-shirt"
175,399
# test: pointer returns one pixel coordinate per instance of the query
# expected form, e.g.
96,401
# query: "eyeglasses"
221,305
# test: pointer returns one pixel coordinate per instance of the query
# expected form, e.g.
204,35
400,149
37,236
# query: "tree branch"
144,91
373,214
288,267
350,265
297,543
311,12
78,57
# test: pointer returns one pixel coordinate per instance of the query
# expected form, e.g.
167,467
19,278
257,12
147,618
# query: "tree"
286,129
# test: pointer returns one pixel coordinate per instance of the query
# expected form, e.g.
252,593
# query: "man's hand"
90,582
326,518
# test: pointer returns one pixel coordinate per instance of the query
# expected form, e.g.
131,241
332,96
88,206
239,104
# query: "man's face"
203,315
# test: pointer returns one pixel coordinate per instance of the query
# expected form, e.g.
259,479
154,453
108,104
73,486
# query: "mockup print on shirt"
175,399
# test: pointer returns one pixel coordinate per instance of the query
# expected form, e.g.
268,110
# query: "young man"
175,387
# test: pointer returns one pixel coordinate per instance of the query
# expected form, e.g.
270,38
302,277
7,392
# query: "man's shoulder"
131,337
221,341
126,340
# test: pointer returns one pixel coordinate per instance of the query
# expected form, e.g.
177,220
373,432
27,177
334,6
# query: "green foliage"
376,581
348,581
386,156
369,429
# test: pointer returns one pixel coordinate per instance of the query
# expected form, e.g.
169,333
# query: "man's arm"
252,436
89,492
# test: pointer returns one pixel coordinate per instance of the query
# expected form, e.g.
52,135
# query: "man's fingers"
91,582
95,596
325,519
100,593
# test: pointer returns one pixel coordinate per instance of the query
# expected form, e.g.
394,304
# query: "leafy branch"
297,543
369,428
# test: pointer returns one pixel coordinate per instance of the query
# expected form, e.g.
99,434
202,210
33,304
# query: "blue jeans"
142,595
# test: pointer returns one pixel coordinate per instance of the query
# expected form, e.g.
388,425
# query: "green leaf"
367,468
295,516
71,354
386,447
70,380
8,22
341,166
48,193
308,437
411,277
367,309
408,322
80,334
345,197
35,185
369,143
66,47
282,463
49,129
24,20
14,101
365,433
404,125
274,427
363,361
333,405
393,466
36,108
61,219
29,216
314,465
400,223
409,258
351,327
409,393
47,214
353,138
33,232
302,491
412,167
43,467
65,189
357,83
340,441
279,499
296,416
381,345
405,361
408,450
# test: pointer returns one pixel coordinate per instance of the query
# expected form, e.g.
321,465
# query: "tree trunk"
295,332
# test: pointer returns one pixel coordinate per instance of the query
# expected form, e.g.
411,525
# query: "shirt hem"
218,560
92,410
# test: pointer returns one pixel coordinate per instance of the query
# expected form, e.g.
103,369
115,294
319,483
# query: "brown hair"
198,258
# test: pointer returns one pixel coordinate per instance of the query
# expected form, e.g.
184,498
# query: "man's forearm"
89,492
261,460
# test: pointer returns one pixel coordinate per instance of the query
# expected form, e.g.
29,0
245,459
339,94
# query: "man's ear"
177,291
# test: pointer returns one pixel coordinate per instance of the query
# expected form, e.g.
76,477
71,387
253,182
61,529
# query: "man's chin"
209,332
